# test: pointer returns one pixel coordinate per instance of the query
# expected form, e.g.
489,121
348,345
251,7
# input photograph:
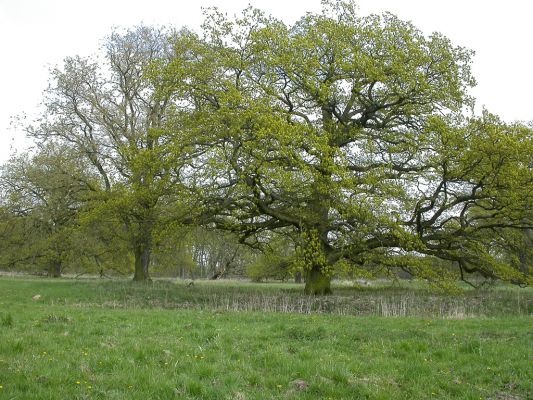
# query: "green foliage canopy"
349,134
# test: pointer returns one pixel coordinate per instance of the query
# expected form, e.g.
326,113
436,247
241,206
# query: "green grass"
118,340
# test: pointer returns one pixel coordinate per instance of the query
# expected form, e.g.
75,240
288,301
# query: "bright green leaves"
310,252
367,71
483,170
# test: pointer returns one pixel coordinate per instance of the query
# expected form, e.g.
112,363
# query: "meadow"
103,339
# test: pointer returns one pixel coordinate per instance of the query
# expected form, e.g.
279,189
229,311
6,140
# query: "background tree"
218,254
107,110
43,194
277,261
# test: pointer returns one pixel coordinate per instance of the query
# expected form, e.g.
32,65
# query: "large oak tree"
349,134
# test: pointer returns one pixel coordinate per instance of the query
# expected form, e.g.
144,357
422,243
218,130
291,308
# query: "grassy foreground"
117,340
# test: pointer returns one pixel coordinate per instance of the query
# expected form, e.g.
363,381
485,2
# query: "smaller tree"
109,111
43,194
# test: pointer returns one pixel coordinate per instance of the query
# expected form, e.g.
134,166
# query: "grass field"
96,339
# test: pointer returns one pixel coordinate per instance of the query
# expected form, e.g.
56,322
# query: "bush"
269,266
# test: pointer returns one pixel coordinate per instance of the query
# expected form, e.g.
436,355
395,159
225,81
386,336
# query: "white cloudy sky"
38,34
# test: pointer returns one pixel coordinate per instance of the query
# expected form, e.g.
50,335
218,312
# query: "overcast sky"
37,34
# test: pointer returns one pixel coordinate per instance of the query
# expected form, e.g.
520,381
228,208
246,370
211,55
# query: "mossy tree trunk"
316,282
525,250
143,243
142,253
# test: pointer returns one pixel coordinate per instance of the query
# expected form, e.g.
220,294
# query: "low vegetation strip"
67,344
378,299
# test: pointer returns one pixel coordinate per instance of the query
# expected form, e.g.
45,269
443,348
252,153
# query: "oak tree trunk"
54,269
316,282
142,262
527,242
522,257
